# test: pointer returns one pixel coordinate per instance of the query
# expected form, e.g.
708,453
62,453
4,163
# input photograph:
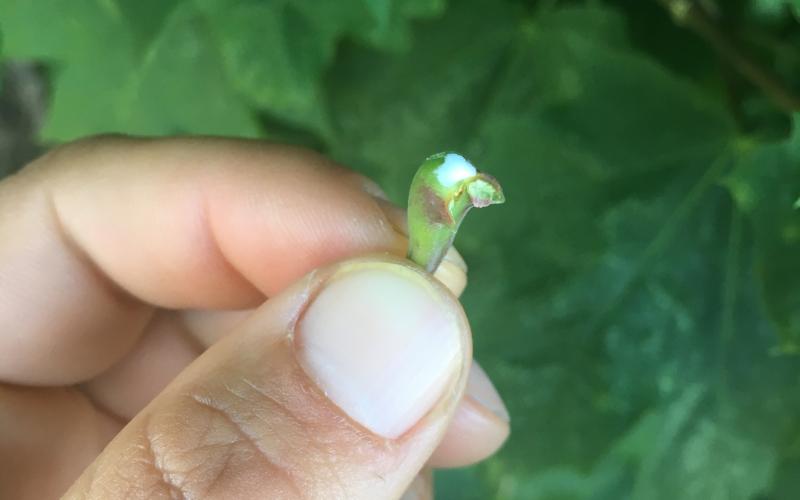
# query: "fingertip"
421,488
474,435
479,427
364,361
125,224
384,340
481,389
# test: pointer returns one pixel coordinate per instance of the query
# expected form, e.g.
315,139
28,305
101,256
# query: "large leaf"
275,52
617,280
108,80
636,297
766,185
193,66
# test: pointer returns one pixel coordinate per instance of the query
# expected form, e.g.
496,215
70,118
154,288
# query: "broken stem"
445,187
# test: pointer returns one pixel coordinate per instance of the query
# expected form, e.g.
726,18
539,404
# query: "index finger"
98,233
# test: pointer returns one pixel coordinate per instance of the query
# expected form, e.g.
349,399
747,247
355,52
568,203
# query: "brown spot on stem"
435,207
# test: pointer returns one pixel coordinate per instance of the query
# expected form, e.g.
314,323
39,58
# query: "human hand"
139,358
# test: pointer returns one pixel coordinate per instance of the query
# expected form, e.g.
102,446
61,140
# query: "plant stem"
692,15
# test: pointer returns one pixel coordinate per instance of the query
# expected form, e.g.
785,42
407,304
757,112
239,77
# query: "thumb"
340,387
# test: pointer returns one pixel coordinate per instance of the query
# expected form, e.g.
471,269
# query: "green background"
637,300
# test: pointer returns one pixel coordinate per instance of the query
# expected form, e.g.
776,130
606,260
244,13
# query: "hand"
177,320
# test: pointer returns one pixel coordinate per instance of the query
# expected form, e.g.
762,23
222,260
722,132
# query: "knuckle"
136,471
273,433
228,437
210,443
238,446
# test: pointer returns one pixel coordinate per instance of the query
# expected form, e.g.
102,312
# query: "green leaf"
616,280
681,455
628,298
671,452
193,66
773,8
766,186
275,52
274,55
103,83
389,26
428,94
73,29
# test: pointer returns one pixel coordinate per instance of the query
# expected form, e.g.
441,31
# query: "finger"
341,387
165,349
123,224
480,425
172,340
47,437
208,326
421,488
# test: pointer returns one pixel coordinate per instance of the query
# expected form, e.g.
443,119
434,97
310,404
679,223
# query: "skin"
136,272
443,190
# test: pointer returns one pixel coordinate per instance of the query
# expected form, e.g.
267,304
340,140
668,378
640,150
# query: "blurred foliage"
637,300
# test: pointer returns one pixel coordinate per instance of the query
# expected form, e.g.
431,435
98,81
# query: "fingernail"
482,391
383,343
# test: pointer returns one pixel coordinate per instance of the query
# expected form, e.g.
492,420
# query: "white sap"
455,169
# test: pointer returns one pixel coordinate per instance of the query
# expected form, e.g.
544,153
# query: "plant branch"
691,14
